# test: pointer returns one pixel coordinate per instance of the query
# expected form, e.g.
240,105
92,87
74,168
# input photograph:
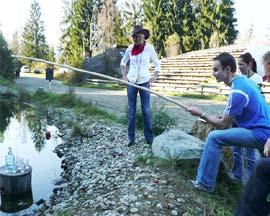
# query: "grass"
108,86
199,96
179,172
161,120
70,101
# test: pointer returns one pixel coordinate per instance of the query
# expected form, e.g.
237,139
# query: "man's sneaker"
200,187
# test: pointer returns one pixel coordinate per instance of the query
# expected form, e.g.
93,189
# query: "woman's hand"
124,77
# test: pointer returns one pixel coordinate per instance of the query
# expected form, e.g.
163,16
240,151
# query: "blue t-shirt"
249,108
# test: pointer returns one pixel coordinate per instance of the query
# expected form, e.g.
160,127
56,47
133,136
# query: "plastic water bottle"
10,161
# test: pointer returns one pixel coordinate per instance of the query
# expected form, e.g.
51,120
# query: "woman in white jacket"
139,54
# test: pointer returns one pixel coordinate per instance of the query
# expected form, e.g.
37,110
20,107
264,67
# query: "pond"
24,129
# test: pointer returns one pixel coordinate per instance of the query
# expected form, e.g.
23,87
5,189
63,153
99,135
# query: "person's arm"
123,64
220,122
156,62
124,72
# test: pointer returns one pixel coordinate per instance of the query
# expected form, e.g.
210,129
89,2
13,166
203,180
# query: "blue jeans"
209,163
239,156
145,105
253,201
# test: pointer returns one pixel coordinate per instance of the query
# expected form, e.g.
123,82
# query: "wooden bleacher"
192,72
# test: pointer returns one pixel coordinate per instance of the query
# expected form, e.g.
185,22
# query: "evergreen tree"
6,61
33,39
188,32
224,24
77,30
51,54
160,19
120,31
204,25
106,22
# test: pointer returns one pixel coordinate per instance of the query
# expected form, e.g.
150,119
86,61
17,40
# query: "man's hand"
266,150
194,111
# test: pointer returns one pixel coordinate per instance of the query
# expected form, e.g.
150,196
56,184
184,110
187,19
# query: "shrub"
161,120
6,61
172,45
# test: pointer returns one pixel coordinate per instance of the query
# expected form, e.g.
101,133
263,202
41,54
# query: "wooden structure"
15,183
16,203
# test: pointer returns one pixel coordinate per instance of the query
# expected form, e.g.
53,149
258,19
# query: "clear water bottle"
10,161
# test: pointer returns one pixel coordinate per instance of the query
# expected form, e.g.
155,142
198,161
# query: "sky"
15,13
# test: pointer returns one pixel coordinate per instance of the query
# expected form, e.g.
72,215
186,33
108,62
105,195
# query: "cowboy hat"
139,29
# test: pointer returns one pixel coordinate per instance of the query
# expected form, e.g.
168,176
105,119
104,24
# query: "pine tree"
51,54
224,24
120,31
106,22
204,25
33,39
159,17
78,30
6,63
188,32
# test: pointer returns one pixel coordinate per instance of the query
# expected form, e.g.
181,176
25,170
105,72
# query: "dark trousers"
253,201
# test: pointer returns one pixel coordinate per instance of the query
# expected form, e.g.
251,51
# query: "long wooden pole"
103,76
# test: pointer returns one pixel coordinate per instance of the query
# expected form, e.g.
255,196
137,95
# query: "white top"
257,78
140,64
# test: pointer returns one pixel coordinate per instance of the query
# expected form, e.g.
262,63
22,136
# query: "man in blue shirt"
245,106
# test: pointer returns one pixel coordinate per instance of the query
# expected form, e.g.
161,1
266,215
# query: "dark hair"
266,56
226,59
247,58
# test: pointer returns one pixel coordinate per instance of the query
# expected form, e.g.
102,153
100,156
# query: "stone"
176,144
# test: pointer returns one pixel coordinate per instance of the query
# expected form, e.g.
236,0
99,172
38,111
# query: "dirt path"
116,101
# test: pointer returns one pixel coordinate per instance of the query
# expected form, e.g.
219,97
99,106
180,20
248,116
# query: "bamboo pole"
104,76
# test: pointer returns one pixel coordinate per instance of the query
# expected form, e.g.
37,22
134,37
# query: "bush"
6,61
172,45
161,121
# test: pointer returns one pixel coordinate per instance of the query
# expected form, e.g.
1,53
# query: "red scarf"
137,49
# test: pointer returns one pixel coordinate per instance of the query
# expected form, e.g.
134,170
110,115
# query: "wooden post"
15,183
201,89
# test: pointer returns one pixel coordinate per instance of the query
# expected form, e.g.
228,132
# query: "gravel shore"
102,176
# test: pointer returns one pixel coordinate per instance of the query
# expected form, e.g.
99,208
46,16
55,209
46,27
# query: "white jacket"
140,64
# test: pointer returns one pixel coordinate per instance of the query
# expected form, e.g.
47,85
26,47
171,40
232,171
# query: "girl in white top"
139,54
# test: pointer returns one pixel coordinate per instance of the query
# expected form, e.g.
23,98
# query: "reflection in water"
12,203
7,110
24,131
37,124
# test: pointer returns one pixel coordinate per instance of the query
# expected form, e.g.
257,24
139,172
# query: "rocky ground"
102,176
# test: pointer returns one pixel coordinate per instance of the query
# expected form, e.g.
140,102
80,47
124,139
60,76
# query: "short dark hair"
226,59
266,56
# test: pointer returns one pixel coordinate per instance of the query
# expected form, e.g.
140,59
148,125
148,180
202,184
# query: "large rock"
176,144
